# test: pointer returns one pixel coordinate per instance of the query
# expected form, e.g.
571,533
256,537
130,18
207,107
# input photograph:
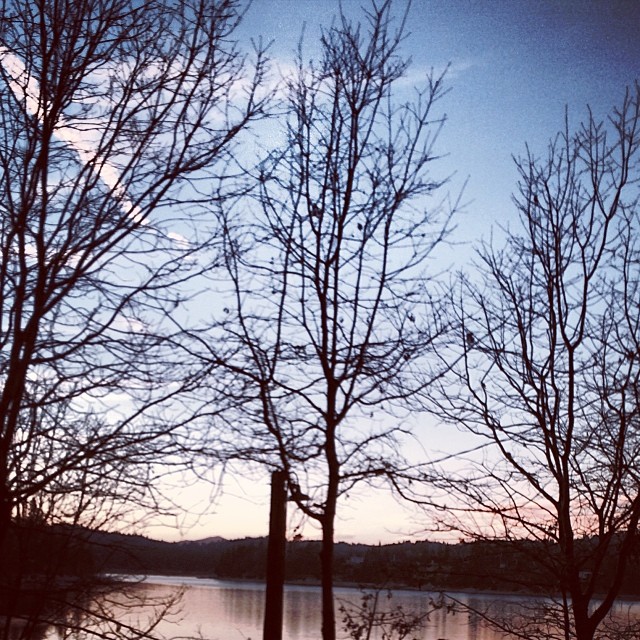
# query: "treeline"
513,566
501,566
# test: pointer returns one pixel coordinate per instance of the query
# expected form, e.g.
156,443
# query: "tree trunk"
5,514
274,596
584,630
326,565
584,624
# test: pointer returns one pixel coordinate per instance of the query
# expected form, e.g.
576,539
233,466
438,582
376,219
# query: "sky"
515,66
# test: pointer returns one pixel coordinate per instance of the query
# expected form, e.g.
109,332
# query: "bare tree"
329,326
548,363
118,123
372,614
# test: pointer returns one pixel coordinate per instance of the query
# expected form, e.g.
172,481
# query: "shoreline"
314,583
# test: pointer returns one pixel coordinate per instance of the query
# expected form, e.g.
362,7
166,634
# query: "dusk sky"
515,65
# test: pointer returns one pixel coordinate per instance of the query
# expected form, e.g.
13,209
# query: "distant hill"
55,556
203,540
504,566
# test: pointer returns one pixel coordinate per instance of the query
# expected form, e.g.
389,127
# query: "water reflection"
302,611
225,610
219,610
244,605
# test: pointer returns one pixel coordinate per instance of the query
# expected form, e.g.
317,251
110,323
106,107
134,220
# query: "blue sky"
515,66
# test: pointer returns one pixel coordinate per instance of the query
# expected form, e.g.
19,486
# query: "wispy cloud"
26,88
416,75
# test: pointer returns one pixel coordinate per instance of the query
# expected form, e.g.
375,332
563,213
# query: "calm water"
226,610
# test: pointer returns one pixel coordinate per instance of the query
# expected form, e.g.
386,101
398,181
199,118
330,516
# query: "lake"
229,610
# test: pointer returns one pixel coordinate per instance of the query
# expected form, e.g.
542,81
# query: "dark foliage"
483,565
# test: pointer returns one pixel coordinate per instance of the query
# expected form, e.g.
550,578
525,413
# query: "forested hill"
420,564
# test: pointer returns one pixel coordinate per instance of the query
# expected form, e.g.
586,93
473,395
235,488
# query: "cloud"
128,324
416,76
28,91
179,240
17,73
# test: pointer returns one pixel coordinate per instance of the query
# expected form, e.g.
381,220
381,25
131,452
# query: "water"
229,610
216,609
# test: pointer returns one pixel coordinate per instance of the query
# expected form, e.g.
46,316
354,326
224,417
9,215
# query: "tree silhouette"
329,325
549,383
118,122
